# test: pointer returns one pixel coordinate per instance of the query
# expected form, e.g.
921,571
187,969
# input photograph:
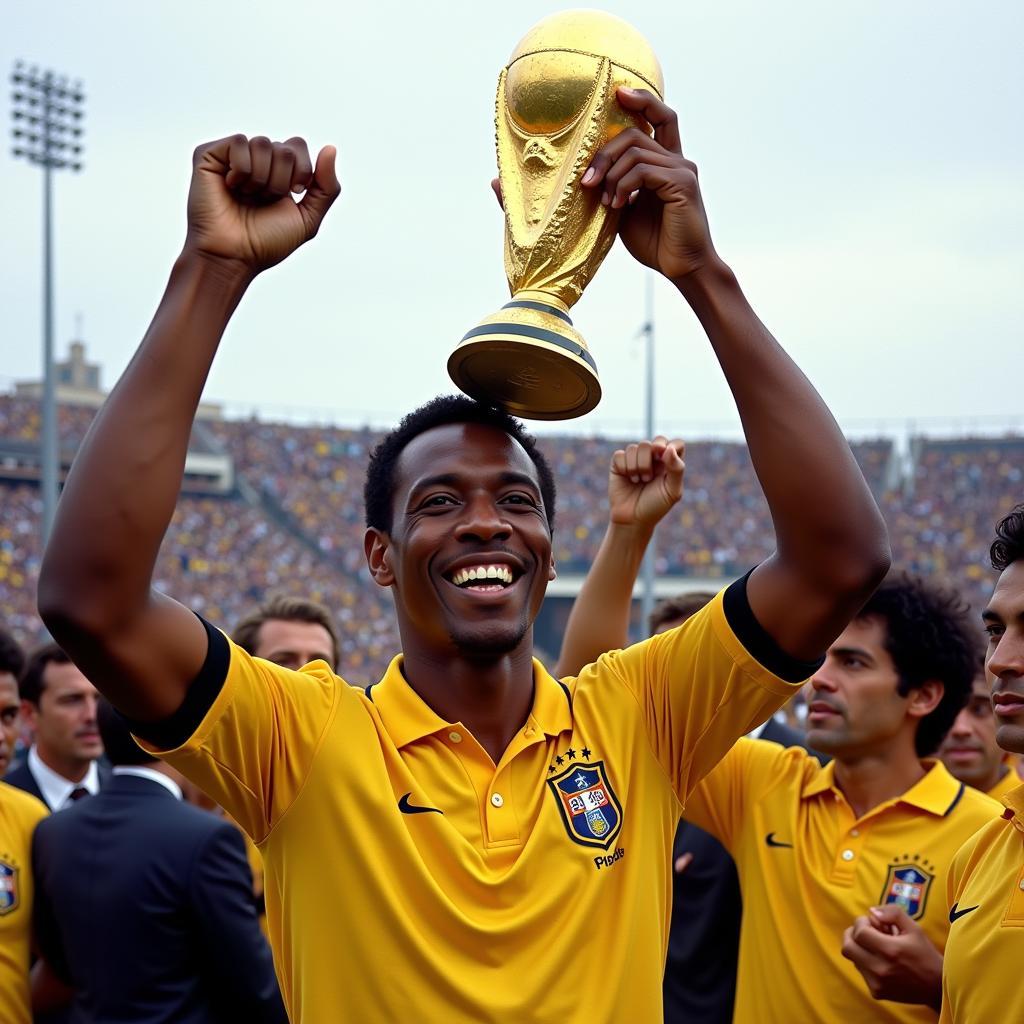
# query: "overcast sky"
862,166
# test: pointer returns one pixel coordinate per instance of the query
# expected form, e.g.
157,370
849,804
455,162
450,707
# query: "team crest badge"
8,887
590,810
907,886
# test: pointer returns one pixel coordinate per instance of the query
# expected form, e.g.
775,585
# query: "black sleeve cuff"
759,644
174,730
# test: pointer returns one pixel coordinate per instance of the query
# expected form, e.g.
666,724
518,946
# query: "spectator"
165,930
59,704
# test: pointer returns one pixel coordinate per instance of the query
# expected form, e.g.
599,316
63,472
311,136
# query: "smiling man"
468,839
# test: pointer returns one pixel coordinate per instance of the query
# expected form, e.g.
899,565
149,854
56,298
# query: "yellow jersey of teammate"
808,867
19,815
409,878
986,931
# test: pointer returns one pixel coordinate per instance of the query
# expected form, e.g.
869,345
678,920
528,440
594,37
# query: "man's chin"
487,643
1010,736
824,740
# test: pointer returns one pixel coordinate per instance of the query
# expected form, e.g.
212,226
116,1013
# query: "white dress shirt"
142,772
55,788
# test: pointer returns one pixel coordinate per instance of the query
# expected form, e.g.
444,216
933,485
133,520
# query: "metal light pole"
647,572
47,114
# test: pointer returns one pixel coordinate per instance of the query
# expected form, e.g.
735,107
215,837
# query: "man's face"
294,644
9,707
970,750
467,503
854,707
64,724
1004,659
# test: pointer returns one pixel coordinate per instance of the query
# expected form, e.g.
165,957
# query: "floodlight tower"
47,113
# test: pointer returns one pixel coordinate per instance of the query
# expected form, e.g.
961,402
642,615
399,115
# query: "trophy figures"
556,107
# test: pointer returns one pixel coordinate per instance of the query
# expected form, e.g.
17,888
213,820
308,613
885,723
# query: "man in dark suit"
144,905
59,705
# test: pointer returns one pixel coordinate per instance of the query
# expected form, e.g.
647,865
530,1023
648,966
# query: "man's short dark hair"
928,635
441,412
678,609
31,686
285,608
12,657
1008,547
118,743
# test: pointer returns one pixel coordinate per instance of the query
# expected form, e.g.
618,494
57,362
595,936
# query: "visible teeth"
500,573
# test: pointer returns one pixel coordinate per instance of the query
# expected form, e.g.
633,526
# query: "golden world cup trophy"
556,107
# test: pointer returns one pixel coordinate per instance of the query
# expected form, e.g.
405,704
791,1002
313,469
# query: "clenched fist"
644,482
240,203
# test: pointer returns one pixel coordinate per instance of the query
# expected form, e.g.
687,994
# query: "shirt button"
455,737
497,799
1022,884
847,854
854,832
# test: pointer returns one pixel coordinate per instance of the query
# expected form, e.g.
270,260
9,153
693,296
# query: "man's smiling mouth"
483,578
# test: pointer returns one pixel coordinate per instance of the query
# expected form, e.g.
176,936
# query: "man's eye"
520,499
438,501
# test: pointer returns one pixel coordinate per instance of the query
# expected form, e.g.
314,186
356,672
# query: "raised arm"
832,549
645,481
95,588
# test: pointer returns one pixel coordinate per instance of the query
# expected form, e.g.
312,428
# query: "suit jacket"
704,935
21,777
144,907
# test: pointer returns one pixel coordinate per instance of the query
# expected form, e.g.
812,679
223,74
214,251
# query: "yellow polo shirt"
808,867
981,971
1006,785
408,878
19,815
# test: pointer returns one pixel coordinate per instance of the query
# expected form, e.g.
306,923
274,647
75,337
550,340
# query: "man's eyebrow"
857,652
988,615
512,476
437,480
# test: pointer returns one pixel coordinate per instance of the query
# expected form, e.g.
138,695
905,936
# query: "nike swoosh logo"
954,913
407,808
772,841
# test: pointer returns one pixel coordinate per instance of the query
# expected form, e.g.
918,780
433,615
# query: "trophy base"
528,359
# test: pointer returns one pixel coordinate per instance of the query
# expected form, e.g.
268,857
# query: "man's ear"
551,570
926,698
29,714
377,546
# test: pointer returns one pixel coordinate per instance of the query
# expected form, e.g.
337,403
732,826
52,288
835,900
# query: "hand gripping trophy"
556,107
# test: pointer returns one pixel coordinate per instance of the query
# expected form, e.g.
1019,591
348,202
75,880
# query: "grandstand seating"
301,529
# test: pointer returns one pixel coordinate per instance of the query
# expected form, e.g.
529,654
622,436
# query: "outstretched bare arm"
831,543
95,589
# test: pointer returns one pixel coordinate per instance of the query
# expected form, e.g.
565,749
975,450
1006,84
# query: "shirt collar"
408,718
142,772
1014,804
55,788
938,792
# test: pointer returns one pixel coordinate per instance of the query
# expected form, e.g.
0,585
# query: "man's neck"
871,779
997,776
491,698
72,769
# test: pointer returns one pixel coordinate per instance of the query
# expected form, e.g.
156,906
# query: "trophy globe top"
550,74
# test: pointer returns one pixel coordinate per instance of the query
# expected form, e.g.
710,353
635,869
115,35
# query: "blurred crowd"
222,554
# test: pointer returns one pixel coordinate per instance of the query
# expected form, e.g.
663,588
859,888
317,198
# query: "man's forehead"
8,690
66,677
278,632
1007,599
867,632
462,447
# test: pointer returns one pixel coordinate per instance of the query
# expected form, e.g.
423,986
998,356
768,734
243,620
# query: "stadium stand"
293,520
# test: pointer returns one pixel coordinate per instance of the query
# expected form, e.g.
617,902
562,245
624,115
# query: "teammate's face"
855,708
970,750
9,706
64,724
1004,660
467,501
294,644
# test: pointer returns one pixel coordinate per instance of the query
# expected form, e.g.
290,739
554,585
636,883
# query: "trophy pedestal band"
530,360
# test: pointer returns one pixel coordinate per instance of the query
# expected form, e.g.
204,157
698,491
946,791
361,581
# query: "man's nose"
961,726
482,520
1007,658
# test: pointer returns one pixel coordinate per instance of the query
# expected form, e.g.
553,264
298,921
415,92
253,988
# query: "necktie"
78,792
